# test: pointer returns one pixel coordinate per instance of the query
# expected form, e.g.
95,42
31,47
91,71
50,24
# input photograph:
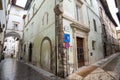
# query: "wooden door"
80,52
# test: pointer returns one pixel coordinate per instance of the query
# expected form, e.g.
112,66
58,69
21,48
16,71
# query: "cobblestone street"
113,68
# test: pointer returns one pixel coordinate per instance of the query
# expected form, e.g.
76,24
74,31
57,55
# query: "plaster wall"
15,16
40,31
97,54
88,14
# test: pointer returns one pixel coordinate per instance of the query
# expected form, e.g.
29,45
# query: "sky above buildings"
21,3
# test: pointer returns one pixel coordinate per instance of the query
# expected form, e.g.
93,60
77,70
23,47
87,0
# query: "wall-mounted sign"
66,38
66,28
66,45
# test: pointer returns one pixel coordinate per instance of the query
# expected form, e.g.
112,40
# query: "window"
0,28
8,1
33,9
3,25
91,3
24,47
79,10
15,25
93,45
32,24
45,19
101,11
28,17
95,27
0,24
104,31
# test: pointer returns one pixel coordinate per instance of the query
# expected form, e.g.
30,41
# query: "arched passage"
14,34
12,44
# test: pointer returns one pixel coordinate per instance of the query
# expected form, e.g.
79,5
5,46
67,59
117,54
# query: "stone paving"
99,74
109,69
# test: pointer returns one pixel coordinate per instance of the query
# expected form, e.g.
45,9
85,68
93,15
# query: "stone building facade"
39,34
66,34
61,36
94,37
109,37
118,35
3,22
14,23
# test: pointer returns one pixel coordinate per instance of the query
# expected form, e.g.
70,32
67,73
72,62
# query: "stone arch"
30,52
15,34
14,50
46,54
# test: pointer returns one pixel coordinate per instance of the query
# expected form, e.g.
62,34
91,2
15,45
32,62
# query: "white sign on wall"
67,28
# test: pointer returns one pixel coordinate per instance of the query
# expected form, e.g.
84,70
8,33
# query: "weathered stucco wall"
15,16
88,14
97,54
40,31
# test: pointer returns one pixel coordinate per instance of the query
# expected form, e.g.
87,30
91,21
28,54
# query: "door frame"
84,35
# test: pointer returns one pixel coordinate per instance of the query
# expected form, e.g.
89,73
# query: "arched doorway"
46,54
15,34
30,53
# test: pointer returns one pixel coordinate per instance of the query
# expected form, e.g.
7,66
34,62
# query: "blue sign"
66,38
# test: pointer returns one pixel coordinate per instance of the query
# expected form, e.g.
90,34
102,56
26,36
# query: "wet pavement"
10,69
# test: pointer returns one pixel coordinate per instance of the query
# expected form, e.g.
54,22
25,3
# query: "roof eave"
107,11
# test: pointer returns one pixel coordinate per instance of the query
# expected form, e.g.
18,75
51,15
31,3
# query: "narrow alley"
59,40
